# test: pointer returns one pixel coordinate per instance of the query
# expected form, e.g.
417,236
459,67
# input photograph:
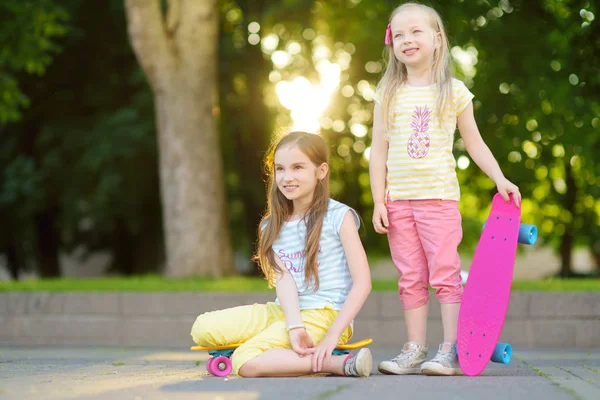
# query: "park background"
133,132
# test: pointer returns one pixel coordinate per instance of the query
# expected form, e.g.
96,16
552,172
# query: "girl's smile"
290,188
296,176
414,40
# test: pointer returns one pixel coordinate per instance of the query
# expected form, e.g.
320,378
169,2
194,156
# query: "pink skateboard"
487,290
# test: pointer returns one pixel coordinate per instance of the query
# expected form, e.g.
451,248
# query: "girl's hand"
322,355
380,219
506,187
301,342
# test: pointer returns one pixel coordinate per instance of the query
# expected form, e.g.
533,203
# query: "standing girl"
309,248
413,180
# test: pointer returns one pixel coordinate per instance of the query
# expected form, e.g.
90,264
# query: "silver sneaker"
407,362
359,365
445,361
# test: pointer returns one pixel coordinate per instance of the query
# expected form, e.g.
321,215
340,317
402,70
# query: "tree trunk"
47,243
566,245
595,251
179,56
12,259
137,253
123,249
566,252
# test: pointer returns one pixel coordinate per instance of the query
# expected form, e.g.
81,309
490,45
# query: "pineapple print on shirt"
418,142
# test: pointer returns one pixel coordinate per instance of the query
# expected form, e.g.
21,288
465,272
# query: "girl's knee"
450,298
447,283
449,294
244,361
412,301
200,333
414,294
249,370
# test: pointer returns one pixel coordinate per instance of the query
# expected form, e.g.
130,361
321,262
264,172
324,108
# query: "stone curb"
534,319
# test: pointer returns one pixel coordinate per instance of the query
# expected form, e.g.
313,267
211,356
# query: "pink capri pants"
424,236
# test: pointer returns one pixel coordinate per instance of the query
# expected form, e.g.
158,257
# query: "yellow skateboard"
220,362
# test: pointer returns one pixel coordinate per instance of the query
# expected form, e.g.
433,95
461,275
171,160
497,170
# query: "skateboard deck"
487,290
347,346
220,362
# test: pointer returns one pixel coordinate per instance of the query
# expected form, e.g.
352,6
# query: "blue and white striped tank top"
335,280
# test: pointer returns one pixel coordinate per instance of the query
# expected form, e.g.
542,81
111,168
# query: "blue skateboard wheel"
502,353
528,234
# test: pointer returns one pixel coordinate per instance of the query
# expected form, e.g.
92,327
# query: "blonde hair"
279,208
396,74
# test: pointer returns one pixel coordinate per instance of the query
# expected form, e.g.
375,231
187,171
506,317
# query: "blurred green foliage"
29,33
78,161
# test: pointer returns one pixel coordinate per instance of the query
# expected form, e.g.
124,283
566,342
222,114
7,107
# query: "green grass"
591,369
555,382
240,284
331,392
139,284
559,285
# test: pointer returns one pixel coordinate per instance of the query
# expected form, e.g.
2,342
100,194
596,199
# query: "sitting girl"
310,249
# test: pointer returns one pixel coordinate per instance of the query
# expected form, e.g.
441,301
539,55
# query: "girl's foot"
445,361
359,365
407,362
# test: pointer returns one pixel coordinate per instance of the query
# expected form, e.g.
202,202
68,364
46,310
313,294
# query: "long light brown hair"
279,208
395,74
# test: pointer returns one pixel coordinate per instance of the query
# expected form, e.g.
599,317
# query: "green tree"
246,121
539,109
535,104
29,33
79,171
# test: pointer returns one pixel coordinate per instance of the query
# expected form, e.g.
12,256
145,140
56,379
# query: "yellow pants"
259,327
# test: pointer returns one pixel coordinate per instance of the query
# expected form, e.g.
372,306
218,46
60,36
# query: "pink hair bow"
388,34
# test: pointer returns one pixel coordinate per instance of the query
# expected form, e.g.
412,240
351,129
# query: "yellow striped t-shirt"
420,163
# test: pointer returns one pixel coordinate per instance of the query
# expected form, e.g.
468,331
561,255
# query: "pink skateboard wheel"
209,364
219,366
